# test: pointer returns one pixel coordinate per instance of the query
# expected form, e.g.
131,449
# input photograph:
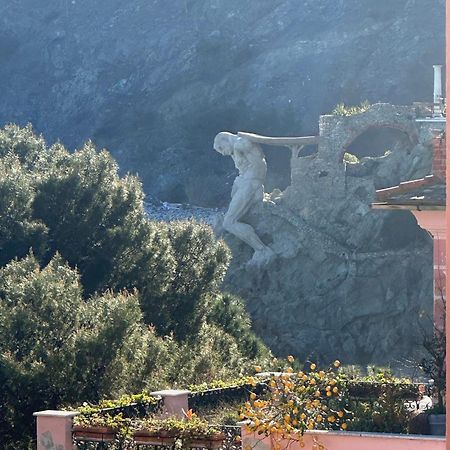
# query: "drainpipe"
437,96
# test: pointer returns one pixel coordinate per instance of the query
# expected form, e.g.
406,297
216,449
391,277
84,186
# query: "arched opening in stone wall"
382,153
376,141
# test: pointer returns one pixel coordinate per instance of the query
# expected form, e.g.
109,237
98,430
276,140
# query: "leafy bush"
345,111
56,348
349,158
108,301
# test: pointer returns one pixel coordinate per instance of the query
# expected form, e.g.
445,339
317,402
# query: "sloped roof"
421,194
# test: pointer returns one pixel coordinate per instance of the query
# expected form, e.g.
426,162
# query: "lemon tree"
294,402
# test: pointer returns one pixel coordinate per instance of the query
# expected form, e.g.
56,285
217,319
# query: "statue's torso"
249,160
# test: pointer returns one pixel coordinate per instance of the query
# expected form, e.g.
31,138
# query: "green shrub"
345,111
349,158
56,348
108,301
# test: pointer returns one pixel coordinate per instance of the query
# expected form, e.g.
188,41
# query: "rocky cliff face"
347,282
154,80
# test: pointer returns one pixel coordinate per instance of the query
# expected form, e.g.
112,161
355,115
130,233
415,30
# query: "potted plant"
198,433
191,432
212,438
95,427
157,431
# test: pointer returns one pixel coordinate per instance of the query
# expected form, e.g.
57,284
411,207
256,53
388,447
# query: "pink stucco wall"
348,441
435,223
54,430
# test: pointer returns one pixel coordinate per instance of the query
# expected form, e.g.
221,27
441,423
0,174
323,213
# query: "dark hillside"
154,80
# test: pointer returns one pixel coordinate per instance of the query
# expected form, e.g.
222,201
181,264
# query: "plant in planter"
190,432
99,427
141,402
296,402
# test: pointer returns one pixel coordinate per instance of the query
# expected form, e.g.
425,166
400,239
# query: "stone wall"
348,282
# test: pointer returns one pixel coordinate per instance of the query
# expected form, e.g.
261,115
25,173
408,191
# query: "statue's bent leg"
239,205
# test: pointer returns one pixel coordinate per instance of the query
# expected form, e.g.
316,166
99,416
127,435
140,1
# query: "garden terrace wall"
343,440
357,390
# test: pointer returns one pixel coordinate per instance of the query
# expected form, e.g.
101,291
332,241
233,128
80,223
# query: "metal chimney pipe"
437,97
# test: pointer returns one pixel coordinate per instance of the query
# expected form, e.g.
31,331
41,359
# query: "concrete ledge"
52,413
170,393
356,434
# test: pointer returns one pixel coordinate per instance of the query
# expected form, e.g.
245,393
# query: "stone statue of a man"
248,188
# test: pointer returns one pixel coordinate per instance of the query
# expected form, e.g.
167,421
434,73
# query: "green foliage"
96,299
345,111
124,428
386,413
125,400
377,400
18,229
191,426
218,384
55,347
228,312
121,427
212,354
349,158
200,265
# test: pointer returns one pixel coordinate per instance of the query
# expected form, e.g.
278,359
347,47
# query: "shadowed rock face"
348,282
155,80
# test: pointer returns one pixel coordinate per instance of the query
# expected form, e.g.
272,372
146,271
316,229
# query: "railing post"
54,429
175,402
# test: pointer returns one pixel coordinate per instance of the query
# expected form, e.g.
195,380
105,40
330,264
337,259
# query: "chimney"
437,97
439,154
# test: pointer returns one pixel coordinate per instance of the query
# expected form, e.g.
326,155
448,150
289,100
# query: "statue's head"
223,143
